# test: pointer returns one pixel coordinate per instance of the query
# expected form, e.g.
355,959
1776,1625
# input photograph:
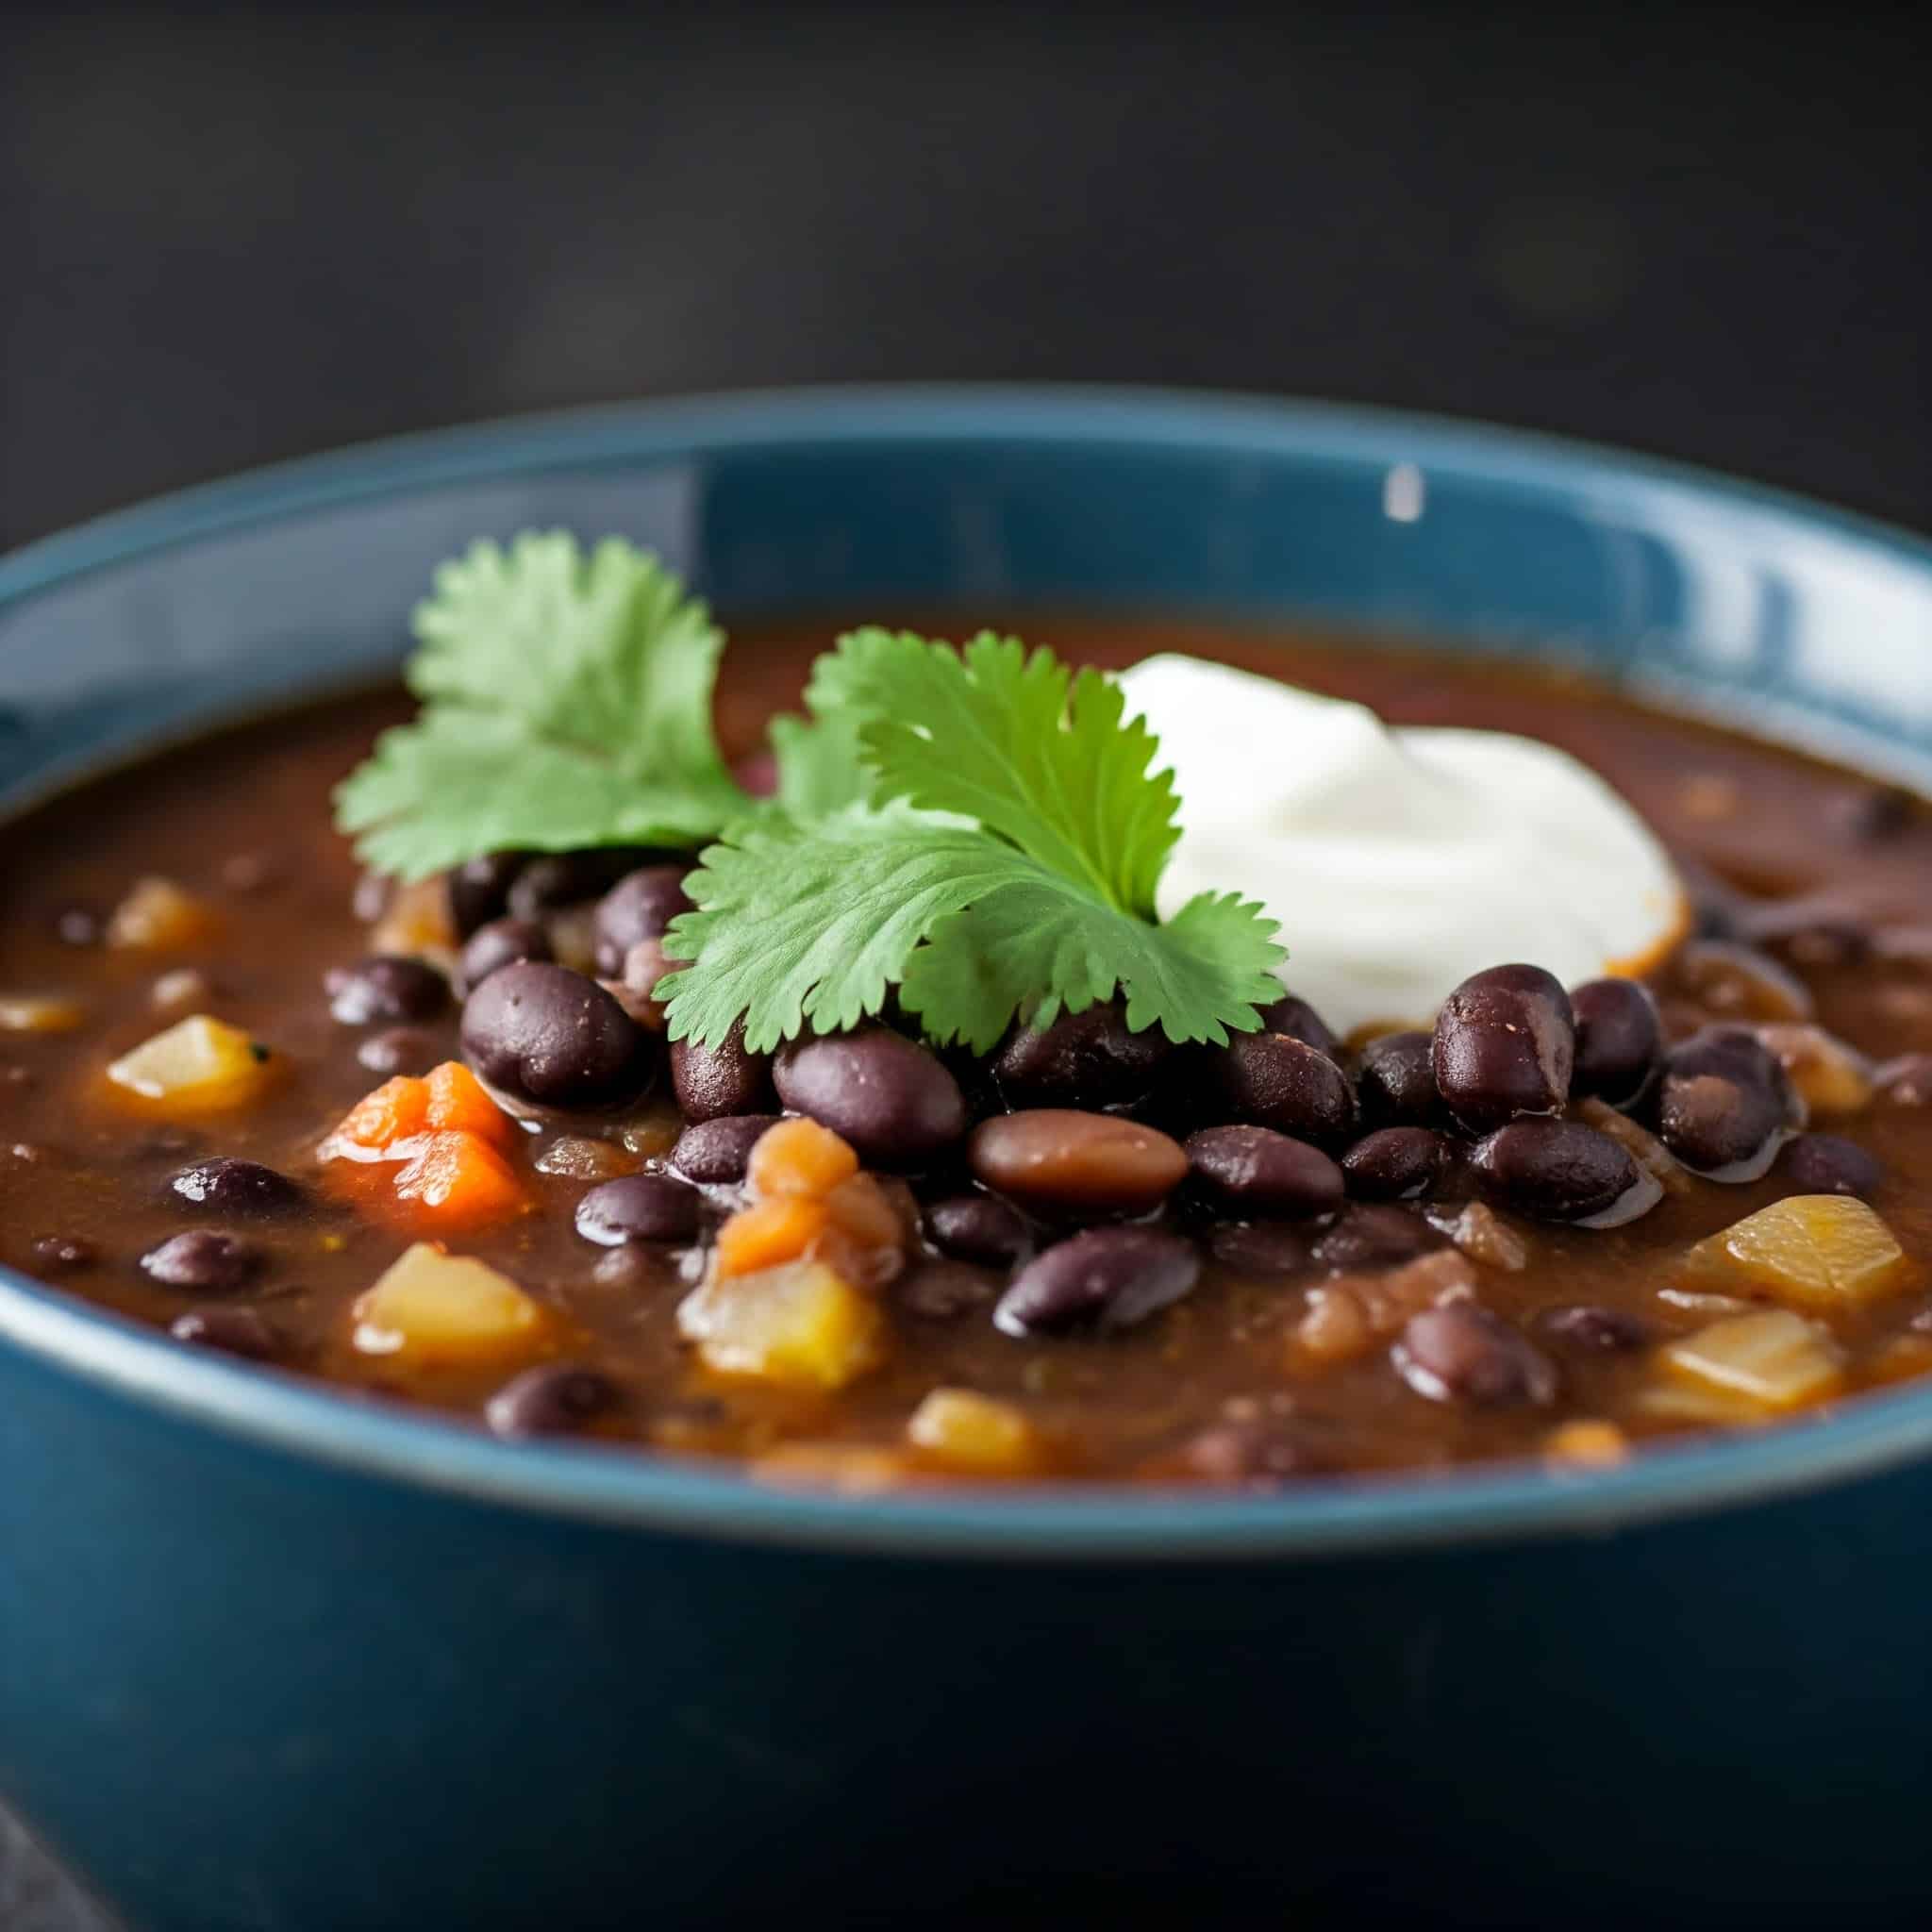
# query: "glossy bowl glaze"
274,1659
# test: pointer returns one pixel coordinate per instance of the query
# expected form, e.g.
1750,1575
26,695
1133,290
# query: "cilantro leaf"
567,703
1014,740
819,765
811,923
1011,868
1198,976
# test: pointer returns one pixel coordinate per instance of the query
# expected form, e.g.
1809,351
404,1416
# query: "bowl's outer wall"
247,1691
246,1688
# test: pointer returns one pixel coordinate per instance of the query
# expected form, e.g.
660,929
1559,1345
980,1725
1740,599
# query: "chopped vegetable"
802,1326
434,1306
768,1234
1814,1251
799,1157
447,1138
457,1179
159,916
46,1013
1588,1443
974,1434
198,1065
416,925
1758,1364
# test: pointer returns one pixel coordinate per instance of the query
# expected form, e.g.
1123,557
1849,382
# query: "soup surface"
1427,1318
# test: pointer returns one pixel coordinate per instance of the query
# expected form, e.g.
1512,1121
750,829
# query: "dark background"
226,238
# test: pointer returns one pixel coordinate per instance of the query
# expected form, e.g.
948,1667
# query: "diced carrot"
460,1180
768,1234
798,1158
398,1109
456,1100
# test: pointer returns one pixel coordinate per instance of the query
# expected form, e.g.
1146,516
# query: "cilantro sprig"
982,830
1005,863
567,703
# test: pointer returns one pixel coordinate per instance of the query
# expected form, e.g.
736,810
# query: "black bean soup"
429,1141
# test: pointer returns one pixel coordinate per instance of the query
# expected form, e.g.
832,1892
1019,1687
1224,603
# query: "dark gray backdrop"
227,238
230,237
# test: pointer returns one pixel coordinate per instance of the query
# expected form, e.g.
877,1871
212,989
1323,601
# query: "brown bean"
1065,1162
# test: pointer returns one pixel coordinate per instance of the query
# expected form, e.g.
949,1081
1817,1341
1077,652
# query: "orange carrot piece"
456,1100
799,1160
396,1110
460,1180
769,1233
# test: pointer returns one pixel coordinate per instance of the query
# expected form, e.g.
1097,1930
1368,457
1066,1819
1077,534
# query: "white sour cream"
1398,860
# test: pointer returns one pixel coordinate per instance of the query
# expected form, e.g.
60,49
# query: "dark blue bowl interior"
882,502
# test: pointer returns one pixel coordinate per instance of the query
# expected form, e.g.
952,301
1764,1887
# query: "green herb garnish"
567,703
980,829
1006,864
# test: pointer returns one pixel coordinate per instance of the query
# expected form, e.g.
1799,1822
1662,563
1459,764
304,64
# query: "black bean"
478,890
1256,1171
1619,1038
499,942
1730,978
1105,1278
568,878
552,1400
236,1187
1815,928
895,1103
639,1208
712,1081
216,1263
1505,1044
1274,1080
1087,1059
715,1153
1463,1353
1396,1079
544,1034
1294,1017
1723,1098
386,987
398,1050
1262,1247
1595,1330
639,906
1376,1236
978,1228
1554,1169
1829,1164
64,1254
944,1291
1255,1455
1394,1164
233,1331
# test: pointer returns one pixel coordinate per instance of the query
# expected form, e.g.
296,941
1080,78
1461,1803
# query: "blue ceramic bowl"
268,1659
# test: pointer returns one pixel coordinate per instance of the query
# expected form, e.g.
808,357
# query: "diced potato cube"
44,1013
1814,1251
432,1306
802,1326
157,915
974,1434
199,1064
1755,1365
1830,1076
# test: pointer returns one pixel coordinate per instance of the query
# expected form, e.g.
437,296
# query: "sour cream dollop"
1398,860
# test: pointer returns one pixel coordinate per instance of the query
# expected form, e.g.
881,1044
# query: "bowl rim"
624,1488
